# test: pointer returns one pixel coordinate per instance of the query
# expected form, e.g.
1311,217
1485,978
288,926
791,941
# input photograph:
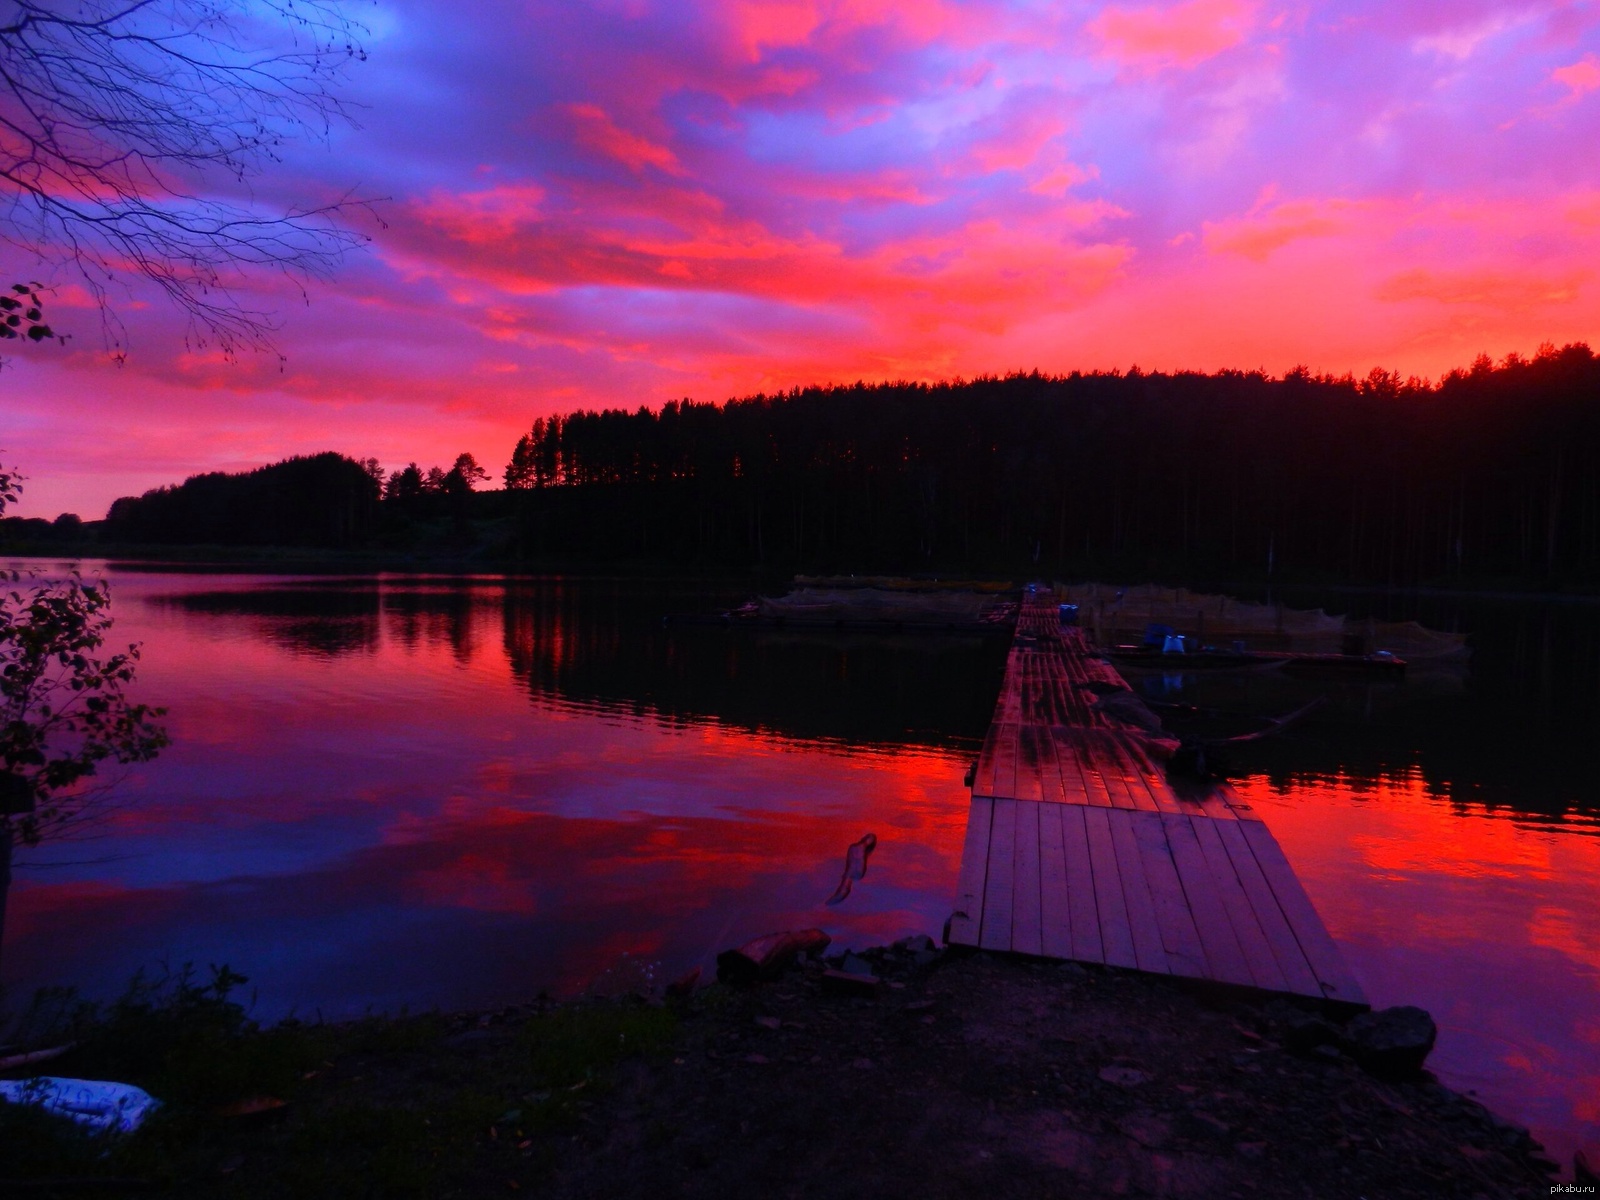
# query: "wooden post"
16,799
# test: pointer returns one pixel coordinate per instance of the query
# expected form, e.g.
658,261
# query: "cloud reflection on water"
488,790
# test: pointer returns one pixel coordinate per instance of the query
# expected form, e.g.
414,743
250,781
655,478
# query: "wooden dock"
1079,848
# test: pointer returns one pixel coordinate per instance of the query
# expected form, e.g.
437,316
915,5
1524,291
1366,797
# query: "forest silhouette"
1487,475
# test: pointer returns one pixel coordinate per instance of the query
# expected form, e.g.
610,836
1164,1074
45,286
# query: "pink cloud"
666,238
596,130
1062,179
1579,78
1584,211
757,29
1019,144
639,200
488,215
761,25
1185,34
1260,234
1510,290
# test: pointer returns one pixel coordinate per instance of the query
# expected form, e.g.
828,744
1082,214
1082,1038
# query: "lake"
410,791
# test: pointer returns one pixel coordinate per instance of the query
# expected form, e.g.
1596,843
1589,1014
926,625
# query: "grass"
405,1106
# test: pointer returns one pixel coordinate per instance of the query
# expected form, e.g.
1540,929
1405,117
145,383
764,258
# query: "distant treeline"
321,500
1493,472
317,500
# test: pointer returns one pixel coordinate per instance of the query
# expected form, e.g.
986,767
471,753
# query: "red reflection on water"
460,805
426,816
1485,918
39,906
581,890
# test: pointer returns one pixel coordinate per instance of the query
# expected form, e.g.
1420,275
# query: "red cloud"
1257,236
668,237
755,27
1580,77
1019,145
596,130
1185,34
1510,290
1584,211
759,25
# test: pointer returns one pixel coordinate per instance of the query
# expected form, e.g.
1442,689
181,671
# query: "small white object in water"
100,1106
855,867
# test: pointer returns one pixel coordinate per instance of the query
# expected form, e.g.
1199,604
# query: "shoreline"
953,1075
274,560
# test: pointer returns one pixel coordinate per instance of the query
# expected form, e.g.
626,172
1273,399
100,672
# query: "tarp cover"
100,1106
1116,613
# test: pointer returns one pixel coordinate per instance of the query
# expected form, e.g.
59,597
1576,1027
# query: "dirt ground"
977,1076
953,1076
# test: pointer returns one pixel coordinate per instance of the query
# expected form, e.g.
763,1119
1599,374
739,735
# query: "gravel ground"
978,1076
953,1075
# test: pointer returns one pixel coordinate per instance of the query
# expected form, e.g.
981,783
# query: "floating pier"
1078,847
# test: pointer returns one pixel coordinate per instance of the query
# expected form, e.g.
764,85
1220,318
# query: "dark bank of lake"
390,791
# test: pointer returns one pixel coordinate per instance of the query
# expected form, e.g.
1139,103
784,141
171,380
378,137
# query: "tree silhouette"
309,500
522,470
64,708
404,484
22,314
374,469
117,118
466,474
1487,474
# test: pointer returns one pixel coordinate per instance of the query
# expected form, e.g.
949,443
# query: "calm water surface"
390,791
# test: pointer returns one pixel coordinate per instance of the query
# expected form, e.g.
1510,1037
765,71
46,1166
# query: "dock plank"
996,929
1116,935
1030,781
1078,846
967,921
1213,802
1236,905
1051,786
983,774
1094,783
1179,937
1055,902
1225,961
1336,980
1148,949
1005,761
1027,934
1142,767
1084,909
1286,949
1074,787
1119,762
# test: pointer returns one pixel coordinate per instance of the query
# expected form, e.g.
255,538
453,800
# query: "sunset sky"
620,202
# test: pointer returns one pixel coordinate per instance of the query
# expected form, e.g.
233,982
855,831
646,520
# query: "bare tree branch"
117,115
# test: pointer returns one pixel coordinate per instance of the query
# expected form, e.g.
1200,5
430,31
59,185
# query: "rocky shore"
902,1071
977,1076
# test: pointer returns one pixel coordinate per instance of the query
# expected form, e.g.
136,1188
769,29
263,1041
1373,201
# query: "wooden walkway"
1078,848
